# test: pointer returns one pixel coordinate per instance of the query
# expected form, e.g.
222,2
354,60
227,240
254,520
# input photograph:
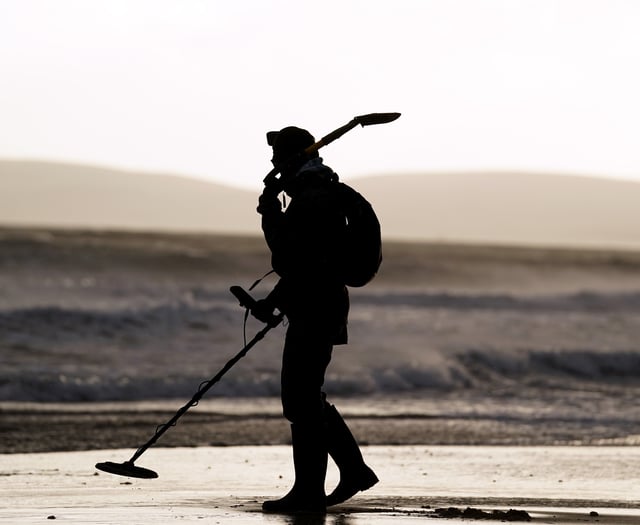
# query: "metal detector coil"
126,469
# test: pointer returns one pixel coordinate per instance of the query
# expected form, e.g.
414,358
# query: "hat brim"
271,137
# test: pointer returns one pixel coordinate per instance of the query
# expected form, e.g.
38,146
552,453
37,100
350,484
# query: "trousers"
305,358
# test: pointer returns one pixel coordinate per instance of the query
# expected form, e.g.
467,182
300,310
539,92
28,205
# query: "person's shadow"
306,519
319,519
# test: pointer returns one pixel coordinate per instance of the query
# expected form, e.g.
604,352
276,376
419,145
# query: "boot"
310,465
355,475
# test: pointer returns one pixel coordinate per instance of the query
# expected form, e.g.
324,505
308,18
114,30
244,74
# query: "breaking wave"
402,342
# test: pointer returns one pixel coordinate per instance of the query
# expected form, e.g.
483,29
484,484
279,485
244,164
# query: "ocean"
450,344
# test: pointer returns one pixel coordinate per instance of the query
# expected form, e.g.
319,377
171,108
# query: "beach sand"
567,485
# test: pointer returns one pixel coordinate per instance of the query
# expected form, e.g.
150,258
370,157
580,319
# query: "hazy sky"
190,86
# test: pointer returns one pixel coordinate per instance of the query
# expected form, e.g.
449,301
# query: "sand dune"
76,196
510,208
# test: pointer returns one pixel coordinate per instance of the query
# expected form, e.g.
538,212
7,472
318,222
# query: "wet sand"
25,431
65,427
567,485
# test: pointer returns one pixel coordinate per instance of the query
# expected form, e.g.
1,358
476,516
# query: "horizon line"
413,172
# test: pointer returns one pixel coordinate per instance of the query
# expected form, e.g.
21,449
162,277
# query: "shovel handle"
363,120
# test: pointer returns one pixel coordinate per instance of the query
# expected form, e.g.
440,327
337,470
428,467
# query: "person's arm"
270,208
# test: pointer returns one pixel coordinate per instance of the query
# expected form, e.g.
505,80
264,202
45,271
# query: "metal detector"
128,468
363,120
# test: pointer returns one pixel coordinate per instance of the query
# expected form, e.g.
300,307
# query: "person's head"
287,144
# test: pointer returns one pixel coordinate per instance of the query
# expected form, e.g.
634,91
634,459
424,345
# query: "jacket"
305,242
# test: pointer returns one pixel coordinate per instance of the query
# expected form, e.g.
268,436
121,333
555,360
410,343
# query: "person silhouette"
304,240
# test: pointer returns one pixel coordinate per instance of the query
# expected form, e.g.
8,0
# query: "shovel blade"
376,118
126,469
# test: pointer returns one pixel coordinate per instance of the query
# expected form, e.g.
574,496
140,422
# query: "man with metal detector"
308,241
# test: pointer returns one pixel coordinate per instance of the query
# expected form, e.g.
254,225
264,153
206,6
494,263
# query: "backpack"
362,249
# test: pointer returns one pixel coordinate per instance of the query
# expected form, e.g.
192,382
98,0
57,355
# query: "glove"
263,311
268,202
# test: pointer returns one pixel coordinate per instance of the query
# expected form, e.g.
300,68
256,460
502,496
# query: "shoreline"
38,427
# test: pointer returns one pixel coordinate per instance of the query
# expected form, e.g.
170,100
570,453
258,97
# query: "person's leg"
343,448
304,362
305,359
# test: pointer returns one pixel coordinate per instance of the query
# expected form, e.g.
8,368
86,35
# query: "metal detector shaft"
245,300
363,120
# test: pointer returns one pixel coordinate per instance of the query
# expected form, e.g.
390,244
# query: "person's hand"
268,202
263,311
